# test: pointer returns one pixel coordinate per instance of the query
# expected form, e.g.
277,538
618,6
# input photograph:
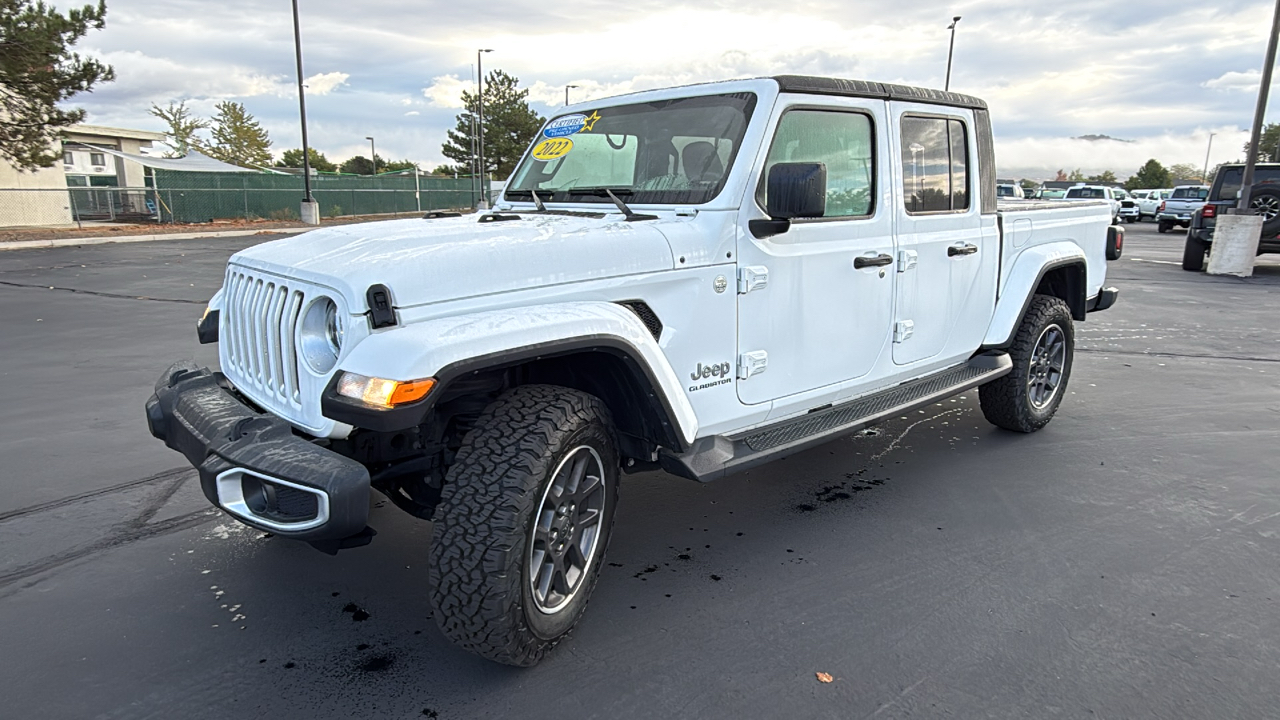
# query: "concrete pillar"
1235,244
310,212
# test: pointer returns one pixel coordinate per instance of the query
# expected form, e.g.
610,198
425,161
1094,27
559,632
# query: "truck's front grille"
260,322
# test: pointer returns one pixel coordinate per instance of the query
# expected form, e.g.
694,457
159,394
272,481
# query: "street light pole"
951,51
310,212
484,200
1246,183
373,155
566,92
1204,175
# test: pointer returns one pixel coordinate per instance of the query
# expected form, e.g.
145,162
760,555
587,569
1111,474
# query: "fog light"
383,393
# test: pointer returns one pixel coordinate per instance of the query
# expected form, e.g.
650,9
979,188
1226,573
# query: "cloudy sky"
1158,74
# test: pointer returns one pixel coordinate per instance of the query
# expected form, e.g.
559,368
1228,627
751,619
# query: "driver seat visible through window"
702,163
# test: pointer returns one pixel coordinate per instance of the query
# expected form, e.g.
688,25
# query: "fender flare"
448,347
1024,277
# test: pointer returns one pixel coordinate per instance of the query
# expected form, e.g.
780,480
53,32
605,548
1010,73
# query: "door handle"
878,261
964,249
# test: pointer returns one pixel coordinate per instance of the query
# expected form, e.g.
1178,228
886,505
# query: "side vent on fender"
646,315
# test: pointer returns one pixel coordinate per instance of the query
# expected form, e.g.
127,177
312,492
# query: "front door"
944,249
823,315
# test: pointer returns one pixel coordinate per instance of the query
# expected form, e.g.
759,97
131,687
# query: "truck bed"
1047,228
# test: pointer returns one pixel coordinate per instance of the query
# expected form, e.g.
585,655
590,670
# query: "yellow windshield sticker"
589,123
552,148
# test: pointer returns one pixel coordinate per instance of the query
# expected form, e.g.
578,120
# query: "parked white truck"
699,279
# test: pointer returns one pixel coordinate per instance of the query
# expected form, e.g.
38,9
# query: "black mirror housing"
796,190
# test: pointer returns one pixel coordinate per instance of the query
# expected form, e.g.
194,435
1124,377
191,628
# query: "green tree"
395,165
1029,184
1150,176
1184,171
319,163
509,125
238,138
1268,145
183,126
38,72
1076,175
358,165
1106,176
450,170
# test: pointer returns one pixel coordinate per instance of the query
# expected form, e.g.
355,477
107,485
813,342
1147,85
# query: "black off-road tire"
1193,254
1006,401
1163,226
480,589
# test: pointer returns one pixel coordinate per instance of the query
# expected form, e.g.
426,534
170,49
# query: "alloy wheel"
566,532
1268,206
1048,360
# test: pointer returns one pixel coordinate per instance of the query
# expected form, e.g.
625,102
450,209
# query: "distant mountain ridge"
1094,138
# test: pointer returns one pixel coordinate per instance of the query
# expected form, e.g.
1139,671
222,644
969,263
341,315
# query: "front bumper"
254,467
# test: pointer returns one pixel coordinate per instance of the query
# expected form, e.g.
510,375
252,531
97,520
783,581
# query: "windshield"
667,151
1192,193
1231,177
1086,193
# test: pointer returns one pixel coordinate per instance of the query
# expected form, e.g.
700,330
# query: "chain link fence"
188,197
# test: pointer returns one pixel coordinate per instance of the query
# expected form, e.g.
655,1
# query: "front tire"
523,523
1026,399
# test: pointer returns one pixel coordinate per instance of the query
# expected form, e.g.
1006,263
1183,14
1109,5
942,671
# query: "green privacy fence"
189,197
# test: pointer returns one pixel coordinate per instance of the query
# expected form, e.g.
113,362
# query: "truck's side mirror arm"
793,190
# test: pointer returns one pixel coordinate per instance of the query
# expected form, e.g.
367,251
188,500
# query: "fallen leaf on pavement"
824,677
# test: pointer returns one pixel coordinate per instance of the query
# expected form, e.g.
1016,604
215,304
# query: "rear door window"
935,165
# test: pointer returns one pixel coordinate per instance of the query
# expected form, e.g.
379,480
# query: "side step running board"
714,457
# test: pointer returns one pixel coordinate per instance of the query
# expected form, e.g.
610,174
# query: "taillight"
1209,210
1161,208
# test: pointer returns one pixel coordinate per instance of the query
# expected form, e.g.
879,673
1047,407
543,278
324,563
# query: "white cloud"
325,83
412,113
1232,80
1040,158
446,91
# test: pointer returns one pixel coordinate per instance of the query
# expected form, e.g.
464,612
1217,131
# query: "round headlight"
320,337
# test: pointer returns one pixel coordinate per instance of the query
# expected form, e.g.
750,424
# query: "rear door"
943,296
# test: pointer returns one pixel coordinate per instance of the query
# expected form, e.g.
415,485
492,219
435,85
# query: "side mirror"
796,190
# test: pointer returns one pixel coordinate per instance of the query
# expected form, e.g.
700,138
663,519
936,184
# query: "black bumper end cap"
1106,298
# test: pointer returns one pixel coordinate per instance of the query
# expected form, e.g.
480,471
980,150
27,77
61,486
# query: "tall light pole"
373,155
1255,137
484,200
1204,175
310,211
951,51
566,92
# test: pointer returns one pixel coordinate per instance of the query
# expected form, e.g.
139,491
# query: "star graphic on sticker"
591,121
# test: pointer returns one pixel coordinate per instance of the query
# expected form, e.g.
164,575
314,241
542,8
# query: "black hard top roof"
868,89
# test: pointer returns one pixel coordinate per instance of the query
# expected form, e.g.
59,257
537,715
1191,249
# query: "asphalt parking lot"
1120,563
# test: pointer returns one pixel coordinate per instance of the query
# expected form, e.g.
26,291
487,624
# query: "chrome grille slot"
261,318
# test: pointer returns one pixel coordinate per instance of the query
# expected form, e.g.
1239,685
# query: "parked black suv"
1224,195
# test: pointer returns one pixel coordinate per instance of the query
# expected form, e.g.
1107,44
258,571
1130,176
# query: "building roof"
111,132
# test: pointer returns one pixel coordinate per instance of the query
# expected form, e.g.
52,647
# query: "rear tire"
1163,226
1193,254
1026,399
500,531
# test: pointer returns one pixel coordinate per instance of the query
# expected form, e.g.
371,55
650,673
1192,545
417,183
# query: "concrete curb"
104,239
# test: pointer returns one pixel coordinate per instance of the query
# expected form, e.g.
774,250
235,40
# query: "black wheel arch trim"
341,409
1078,303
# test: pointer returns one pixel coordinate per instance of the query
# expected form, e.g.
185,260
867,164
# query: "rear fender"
1024,277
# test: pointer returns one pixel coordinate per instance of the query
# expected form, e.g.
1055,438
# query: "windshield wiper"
537,201
612,194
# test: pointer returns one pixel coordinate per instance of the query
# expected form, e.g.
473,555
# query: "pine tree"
238,138
1268,145
509,125
38,72
183,126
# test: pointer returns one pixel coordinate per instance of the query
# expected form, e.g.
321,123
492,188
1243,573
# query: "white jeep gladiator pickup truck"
699,280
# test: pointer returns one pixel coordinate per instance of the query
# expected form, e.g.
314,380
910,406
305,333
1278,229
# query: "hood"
429,261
